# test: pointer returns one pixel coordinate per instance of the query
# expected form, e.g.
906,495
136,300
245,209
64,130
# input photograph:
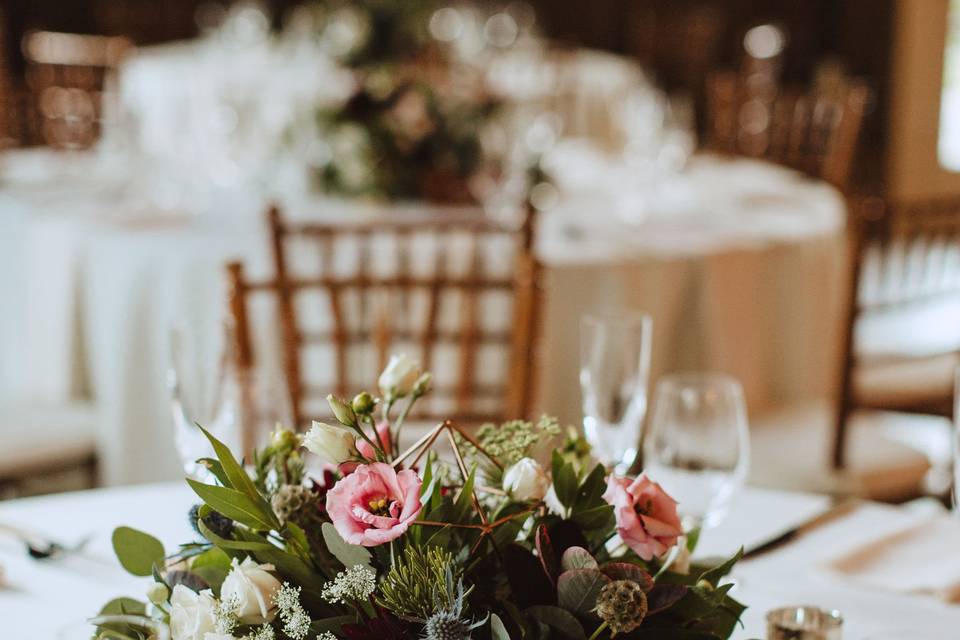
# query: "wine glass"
204,391
955,442
698,445
614,368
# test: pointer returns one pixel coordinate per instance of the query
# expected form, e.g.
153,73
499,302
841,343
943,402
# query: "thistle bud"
342,411
363,404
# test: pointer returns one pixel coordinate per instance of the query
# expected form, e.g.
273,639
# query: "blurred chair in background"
902,337
69,78
455,291
813,132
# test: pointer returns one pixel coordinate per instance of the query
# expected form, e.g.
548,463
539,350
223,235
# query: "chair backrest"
458,292
814,133
899,255
68,74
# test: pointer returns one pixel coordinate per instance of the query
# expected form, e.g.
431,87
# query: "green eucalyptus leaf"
137,551
348,554
577,590
577,558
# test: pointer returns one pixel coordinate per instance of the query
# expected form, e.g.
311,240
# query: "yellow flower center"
379,507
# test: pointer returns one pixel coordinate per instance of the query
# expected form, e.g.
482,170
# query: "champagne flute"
614,368
698,445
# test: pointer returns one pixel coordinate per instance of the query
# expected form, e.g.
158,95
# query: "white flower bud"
526,480
252,587
157,593
399,377
333,444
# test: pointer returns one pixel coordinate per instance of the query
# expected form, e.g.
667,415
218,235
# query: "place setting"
432,320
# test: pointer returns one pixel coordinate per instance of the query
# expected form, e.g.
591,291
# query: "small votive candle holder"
804,623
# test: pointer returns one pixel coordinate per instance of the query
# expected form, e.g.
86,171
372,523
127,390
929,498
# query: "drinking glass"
698,445
614,368
203,390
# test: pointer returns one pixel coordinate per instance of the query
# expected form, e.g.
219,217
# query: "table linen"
50,600
94,277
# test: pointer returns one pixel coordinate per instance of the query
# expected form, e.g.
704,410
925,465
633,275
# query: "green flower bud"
284,440
157,593
363,404
422,385
342,411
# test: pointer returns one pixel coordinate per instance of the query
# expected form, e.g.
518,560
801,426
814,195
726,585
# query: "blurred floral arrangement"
412,127
391,545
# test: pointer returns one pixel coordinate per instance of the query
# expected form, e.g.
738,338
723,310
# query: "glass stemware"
202,391
614,368
698,445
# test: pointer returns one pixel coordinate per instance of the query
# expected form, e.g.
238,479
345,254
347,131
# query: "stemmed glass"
955,442
204,391
698,445
614,368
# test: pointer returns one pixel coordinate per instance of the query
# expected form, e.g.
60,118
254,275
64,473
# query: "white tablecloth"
50,600
741,273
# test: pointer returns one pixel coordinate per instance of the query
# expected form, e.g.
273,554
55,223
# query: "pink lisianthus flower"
374,504
383,435
647,519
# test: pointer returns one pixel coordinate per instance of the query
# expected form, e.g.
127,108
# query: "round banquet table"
741,270
51,599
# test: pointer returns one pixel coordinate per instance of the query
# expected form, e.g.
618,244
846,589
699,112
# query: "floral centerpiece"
411,127
390,544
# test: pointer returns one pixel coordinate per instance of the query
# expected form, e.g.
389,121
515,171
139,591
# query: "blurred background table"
759,258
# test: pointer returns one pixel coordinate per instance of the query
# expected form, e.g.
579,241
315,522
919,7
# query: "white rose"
399,377
333,444
191,614
252,587
526,480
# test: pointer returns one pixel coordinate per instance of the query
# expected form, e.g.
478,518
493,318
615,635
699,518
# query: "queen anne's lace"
356,583
263,633
296,622
326,635
225,615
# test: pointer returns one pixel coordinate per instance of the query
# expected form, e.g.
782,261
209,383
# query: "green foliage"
137,551
513,440
415,586
348,554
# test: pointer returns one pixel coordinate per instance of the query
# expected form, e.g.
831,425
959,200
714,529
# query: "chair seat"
920,329
791,450
41,438
921,383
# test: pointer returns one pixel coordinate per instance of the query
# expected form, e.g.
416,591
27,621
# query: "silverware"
837,511
40,547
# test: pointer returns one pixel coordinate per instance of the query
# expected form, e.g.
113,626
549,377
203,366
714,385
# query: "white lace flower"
225,614
296,622
326,635
356,583
263,633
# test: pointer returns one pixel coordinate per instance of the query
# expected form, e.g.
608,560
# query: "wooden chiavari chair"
902,336
68,75
370,312
814,133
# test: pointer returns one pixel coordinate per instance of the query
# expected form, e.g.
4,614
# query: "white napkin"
920,558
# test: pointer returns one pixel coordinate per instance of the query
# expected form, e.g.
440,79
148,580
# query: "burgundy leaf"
628,571
664,596
548,558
